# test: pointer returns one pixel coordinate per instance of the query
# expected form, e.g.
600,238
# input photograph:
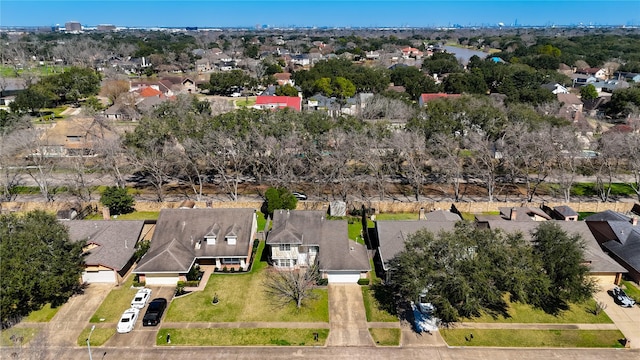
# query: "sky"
330,13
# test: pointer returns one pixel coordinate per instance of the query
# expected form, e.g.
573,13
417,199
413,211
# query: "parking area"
142,336
627,320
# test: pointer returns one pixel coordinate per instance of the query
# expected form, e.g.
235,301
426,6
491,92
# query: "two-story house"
299,239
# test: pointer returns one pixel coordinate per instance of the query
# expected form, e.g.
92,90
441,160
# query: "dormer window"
231,239
211,237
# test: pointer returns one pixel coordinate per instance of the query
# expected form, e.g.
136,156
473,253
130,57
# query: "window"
285,247
230,261
285,262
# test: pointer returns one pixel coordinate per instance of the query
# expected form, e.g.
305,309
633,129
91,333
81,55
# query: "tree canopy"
39,264
278,198
467,271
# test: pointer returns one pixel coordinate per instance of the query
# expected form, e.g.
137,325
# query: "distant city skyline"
319,13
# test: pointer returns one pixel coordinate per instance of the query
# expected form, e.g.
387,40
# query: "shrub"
364,281
322,282
117,200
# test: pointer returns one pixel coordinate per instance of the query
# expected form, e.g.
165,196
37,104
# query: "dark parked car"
154,312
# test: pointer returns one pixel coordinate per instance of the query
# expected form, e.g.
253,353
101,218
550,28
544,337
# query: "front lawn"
243,337
372,308
118,300
631,290
45,314
533,338
99,336
522,313
385,337
242,299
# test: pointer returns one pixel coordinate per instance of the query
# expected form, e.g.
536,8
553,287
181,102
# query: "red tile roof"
150,92
280,102
428,97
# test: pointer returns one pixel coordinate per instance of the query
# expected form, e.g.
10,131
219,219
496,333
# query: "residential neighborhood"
333,192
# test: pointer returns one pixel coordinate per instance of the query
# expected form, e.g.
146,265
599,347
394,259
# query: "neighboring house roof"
280,102
336,251
179,238
598,260
425,98
568,99
565,211
392,234
115,240
442,215
608,215
523,213
627,247
149,92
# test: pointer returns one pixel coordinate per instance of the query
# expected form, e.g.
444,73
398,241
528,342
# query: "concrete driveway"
626,319
347,318
142,336
74,316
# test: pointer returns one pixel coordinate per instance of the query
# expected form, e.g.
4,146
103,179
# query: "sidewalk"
245,325
537,326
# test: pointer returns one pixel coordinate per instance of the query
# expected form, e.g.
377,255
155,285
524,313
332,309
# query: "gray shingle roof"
598,260
115,239
336,251
607,215
565,211
629,251
442,215
179,238
392,234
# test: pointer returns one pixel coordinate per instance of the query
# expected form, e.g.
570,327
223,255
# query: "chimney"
634,221
514,214
106,214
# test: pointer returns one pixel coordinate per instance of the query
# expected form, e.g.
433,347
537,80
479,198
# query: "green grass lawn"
522,313
118,300
45,314
26,333
589,189
245,102
385,337
242,298
136,215
397,216
533,338
243,337
372,308
262,221
632,290
98,337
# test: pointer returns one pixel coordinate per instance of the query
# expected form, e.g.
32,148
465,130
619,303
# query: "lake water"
464,54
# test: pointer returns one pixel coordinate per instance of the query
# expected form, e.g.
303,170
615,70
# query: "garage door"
161,280
343,277
107,276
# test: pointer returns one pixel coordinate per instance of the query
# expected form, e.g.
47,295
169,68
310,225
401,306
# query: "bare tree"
610,151
112,89
524,158
14,141
448,160
157,164
566,150
41,163
483,161
632,145
286,286
413,154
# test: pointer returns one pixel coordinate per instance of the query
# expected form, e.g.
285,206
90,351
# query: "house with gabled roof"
278,102
602,268
109,248
619,236
298,239
183,237
389,236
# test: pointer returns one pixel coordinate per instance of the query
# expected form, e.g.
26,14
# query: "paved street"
330,353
